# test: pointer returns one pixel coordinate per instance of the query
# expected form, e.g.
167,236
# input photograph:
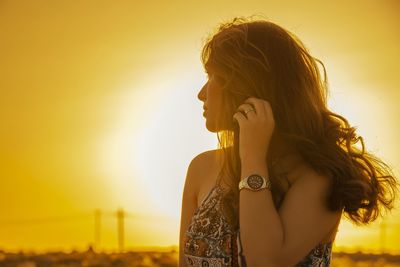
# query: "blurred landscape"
118,249
90,258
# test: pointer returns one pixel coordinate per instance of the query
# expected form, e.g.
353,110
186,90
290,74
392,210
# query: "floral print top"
210,241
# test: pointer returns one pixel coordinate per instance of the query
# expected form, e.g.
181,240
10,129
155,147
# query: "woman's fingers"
255,108
258,104
248,110
240,118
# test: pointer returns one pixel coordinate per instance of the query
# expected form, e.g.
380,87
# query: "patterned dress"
210,241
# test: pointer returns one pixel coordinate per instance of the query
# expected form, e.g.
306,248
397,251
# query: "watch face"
255,181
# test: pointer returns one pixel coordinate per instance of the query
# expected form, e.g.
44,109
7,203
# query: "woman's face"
212,95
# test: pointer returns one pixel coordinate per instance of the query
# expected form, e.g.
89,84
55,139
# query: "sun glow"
155,134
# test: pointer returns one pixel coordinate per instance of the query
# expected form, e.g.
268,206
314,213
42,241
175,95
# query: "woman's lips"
204,110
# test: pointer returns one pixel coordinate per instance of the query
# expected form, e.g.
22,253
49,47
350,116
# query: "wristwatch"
255,182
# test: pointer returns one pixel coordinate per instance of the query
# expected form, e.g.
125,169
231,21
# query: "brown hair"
261,59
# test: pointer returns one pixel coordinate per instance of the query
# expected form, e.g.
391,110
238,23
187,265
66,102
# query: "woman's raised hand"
256,127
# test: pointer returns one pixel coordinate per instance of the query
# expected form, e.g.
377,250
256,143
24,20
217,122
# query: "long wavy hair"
261,59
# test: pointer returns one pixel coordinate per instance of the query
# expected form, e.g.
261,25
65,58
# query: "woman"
286,169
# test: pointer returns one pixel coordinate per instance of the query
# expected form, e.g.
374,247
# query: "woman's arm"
189,205
272,238
194,177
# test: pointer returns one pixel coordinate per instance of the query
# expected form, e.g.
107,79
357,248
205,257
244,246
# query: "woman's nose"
202,94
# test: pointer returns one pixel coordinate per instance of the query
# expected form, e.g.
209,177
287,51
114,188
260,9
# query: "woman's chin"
211,126
214,128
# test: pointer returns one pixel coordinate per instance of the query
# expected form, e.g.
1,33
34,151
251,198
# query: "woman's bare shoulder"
202,166
206,158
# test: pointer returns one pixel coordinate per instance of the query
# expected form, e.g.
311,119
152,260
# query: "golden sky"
99,109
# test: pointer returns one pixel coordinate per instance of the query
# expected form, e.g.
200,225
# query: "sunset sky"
99,109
